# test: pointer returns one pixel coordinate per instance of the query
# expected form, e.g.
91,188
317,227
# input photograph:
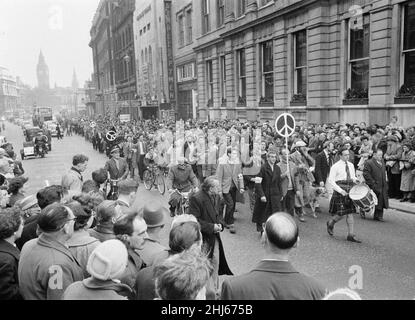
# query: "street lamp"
127,59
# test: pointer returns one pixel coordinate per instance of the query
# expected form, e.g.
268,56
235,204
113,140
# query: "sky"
60,28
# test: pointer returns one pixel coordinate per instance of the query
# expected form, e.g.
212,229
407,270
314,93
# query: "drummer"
342,177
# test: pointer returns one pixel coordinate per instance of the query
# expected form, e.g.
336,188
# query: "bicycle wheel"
160,184
148,178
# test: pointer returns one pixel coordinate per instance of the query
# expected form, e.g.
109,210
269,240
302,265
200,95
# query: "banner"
125,118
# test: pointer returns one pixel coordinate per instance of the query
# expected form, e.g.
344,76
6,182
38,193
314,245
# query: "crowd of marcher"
77,241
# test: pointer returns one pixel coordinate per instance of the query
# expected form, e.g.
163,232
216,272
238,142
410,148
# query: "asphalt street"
386,257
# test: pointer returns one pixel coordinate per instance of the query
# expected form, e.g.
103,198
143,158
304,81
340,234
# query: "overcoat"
206,210
9,261
375,177
271,189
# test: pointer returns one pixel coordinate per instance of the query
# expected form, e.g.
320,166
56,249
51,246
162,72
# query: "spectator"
127,190
183,276
45,197
107,214
81,244
73,180
11,227
183,236
154,215
16,189
29,206
106,264
47,267
274,278
131,229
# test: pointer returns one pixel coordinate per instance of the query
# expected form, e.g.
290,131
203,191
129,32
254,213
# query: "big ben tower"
42,73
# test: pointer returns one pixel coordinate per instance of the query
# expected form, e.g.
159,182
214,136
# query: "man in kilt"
342,177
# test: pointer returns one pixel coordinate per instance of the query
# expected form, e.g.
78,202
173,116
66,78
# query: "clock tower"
42,73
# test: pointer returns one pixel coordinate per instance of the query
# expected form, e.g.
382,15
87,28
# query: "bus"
41,114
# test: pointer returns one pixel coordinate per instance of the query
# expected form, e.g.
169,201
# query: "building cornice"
268,18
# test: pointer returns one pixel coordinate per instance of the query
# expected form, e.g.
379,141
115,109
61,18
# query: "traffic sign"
285,125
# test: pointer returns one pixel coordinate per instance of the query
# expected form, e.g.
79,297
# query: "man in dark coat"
374,173
274,278
324,160
11,227
204,205
268,190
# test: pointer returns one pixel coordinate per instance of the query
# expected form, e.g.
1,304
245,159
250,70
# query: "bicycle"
154,176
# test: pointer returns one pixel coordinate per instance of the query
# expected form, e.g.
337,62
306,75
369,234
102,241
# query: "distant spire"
42,72
75,84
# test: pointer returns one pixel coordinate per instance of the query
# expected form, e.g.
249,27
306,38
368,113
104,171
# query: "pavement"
381,267
407,207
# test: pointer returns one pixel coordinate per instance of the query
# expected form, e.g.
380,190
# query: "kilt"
342,205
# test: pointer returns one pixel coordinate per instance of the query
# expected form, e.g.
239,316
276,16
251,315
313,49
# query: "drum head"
358,192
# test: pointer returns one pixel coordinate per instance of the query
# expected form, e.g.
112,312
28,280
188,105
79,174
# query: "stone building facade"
183,29
154,58
103,78
323,61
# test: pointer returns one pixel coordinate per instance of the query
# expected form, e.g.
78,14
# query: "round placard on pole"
285,125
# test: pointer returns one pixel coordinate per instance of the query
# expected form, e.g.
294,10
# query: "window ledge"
404,100
355,102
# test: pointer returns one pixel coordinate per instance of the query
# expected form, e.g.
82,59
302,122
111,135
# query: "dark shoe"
226,226
232,228
353,239
330,228
318,210
412,201
403,200
379,219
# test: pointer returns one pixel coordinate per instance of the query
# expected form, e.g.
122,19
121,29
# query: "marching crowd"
74,241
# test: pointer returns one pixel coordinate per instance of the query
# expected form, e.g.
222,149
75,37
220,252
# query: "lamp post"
127,59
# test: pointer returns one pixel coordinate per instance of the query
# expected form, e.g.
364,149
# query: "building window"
142,57
241,59
185,72
141,32
144,29
146,55
150,56
189,26
240,7
181,31
209,77
223,77
148,27
300,64
408,49
205,16
221,12
267,71
358,68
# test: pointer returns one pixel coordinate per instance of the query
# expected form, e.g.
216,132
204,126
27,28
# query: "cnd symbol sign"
285,125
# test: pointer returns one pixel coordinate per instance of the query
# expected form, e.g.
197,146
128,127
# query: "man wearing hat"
154,215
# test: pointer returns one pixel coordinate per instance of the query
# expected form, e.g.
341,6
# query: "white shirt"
338,172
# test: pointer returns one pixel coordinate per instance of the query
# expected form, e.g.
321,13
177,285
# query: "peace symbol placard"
111,135
285,125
